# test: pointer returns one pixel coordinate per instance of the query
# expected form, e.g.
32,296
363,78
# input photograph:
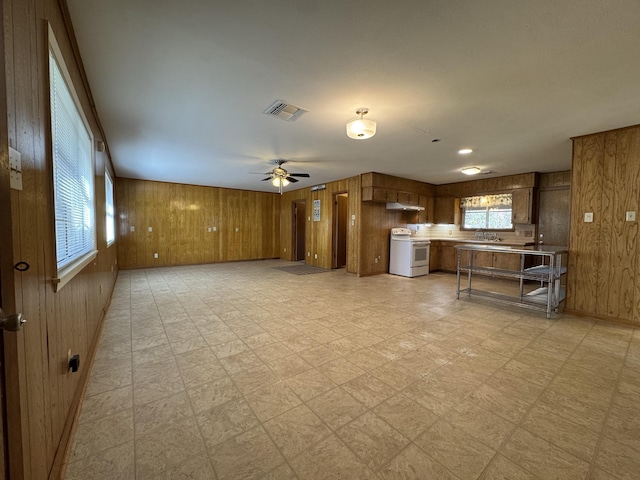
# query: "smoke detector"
285,111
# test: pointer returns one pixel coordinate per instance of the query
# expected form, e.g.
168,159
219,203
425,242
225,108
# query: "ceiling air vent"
285,111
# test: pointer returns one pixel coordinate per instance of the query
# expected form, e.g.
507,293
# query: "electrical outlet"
588,217
151,229
237,229
375,260
209,229
155,255
215,229
132,228
630,216
315,255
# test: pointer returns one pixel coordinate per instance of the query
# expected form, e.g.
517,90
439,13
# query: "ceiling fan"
280,177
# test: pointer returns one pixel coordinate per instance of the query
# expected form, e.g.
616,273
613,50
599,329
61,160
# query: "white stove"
408,256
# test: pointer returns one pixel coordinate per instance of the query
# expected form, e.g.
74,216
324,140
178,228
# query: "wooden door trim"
12,342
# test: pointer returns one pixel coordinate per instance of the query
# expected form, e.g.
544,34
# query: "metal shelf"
547,297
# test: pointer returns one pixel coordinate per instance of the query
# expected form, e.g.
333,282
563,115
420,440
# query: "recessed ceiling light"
465,151
471,170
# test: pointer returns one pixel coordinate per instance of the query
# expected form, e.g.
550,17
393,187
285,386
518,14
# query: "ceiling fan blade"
292,180
265,179
259,173
306,175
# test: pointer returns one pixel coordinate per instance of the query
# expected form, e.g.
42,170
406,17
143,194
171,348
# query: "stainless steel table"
546,297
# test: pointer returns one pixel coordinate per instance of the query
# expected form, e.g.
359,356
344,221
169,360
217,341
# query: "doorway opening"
299,229
340,225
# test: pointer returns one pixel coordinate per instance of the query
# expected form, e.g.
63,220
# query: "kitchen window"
109,208
487,212
73,173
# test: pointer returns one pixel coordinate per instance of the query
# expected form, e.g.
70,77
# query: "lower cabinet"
445,257
448,257
434,256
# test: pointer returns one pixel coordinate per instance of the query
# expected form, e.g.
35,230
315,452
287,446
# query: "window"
109,209
490,212
73,182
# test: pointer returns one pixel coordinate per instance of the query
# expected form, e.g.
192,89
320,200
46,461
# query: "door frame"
335,230
294,230
12,343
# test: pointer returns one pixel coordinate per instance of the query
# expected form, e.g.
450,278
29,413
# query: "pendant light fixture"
361,128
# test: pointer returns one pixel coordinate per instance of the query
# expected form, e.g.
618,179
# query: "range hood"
402,206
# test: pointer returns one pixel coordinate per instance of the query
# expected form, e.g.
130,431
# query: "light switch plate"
151,229
132,228
630,216
588,217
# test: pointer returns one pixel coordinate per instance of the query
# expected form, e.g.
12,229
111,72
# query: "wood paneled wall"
367,236
555,179
604,260
319,235
57,321
247,224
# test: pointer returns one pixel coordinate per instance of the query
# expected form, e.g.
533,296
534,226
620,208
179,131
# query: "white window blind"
109,208
72,173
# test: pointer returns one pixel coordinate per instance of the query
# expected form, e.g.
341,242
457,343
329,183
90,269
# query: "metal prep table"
549,294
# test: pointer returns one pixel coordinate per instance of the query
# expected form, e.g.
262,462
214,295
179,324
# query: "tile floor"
240,371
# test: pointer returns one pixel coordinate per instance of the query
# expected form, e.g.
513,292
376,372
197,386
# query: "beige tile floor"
240,371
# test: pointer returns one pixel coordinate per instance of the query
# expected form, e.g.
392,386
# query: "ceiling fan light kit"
361,128
280,177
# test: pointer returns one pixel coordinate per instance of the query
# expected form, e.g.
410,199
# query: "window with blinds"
109,208
73,178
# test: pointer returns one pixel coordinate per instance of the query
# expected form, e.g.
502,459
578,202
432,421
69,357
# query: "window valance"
482,201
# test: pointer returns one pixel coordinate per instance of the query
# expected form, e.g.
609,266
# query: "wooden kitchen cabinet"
407,198
522,206
434,256
445,210
378,194
482,259
506,262
448,257
426,215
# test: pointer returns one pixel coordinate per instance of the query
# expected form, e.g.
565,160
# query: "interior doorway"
299,229
340,225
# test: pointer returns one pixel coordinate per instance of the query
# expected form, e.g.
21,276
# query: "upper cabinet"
445,210
377,187
522,206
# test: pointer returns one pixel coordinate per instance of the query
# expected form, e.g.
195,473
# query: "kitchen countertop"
506,243
537,249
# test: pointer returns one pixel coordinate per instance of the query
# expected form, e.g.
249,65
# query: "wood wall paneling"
555,179
70,318
180,217
603,255
585,238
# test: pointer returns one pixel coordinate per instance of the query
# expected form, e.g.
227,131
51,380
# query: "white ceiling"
180,86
